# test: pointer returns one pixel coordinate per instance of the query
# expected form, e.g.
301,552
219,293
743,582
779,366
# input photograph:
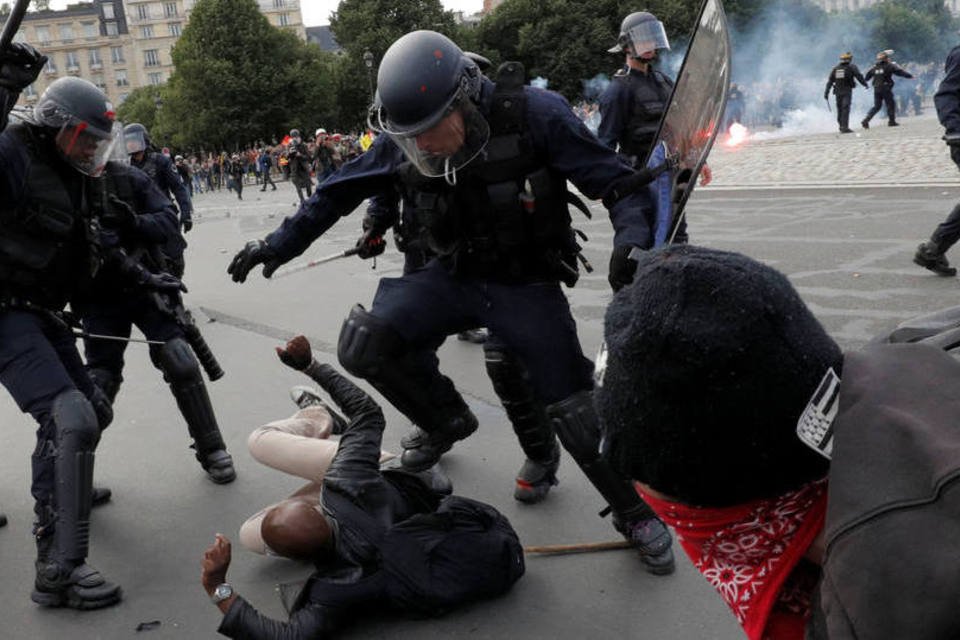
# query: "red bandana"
749,552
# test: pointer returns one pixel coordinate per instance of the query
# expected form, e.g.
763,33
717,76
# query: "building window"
108,11
279,4
151,58
155,78
66,32
175,29
143,11
94,58
30,92
43,35
112,29
283,19
73,62
116,54
97,79
90,30
51,66
146,31
170,9
121,76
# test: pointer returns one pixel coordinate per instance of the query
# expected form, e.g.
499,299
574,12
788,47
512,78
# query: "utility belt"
59,317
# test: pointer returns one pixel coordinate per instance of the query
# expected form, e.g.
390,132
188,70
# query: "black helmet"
420,76
136,137
423,78
640,32
85,121
846,56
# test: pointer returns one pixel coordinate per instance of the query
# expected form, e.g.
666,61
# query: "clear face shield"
443,144
646,38
88,149
135,142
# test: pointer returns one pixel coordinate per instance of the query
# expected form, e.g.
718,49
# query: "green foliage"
238,79
919,30
140,106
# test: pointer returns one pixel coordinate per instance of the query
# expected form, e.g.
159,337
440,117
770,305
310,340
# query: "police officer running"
160,168
50,250
881,74
466,155
842,79
930,254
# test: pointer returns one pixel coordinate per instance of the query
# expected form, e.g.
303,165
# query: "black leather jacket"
352,579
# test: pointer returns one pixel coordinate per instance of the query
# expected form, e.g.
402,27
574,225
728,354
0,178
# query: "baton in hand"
280,273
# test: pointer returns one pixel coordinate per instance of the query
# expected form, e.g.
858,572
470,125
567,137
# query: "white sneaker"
304,396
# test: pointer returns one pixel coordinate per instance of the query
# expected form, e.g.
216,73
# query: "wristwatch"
222,592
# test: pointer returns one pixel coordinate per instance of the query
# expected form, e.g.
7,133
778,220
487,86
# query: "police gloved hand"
186,224
826,95
622,267
953,141
119,215
255,252
372,243
20,64
162,282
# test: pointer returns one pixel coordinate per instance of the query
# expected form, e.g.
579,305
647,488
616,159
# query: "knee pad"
366,343
178,362
107,380
76,423
576,422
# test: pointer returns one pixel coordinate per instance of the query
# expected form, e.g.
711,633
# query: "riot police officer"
842,79
483,167
160,168
930,254
49,163
881,74
299,159
141,222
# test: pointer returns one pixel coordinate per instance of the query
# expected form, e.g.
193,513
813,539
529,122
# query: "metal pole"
13,23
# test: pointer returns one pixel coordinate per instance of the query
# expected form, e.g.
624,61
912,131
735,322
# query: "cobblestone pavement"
911,154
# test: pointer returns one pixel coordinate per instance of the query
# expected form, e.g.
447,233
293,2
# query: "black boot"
69,583
929,256
422,450
535,479
3,520
865,124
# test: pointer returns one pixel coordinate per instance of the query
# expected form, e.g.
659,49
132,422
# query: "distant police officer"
881,74
842,79
483,167
50,250
299,158
930,254
160,168
141,222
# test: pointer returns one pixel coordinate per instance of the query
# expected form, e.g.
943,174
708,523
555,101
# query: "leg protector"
578,426
371,349
108,381
63,527
182,372
511,382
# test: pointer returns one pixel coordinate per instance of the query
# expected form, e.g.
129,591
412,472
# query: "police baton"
13,23
281,273
100,336
827,100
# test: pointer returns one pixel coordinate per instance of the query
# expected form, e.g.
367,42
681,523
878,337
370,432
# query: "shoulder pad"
510,75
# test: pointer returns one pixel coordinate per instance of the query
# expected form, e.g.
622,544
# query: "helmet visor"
451,142
136,141
648,36
88,149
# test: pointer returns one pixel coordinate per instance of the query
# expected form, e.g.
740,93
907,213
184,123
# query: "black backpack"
431,562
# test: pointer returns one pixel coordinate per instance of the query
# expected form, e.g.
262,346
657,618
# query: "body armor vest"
843,80
151,168
650,94
506,218
49,246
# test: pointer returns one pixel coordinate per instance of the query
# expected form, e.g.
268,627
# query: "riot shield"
692,118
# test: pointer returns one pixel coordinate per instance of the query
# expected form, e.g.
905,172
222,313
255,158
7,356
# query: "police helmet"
84,119
423,78
846,57
640,32
136,137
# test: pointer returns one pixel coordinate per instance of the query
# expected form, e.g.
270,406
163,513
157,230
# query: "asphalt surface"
847,250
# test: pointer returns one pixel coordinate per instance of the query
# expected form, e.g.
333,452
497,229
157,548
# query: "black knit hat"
712,357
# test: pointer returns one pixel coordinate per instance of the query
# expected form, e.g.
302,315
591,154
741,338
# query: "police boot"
511,382
99,496
3,520
846,130
929,256
62,529
893,123
578,426
865,124
182,371
422,449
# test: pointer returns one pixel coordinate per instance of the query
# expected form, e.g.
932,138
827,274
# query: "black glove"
162,282
826,95
186,224
255,252
953,141
622,267
119,215
20,64
371,243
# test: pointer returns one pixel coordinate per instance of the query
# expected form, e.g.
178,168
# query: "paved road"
848,252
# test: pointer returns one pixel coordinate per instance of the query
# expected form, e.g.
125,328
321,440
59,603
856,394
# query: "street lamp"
368,60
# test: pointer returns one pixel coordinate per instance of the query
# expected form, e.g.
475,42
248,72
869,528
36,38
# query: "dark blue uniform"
631,107
882,76
161,170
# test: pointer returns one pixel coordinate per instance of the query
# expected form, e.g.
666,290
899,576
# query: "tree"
912,34
238,79
140,106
